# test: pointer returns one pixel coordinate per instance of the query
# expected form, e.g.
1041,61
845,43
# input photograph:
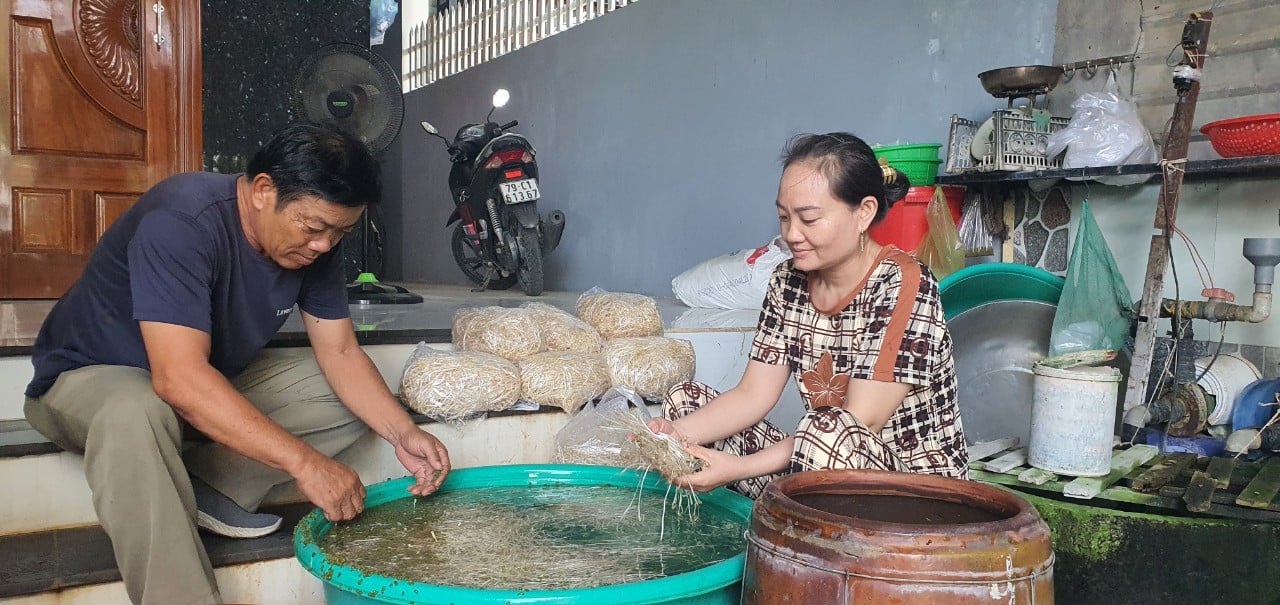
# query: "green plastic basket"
920,151
716,584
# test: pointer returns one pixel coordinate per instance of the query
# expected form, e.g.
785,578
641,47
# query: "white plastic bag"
732,281
592,436
1104,131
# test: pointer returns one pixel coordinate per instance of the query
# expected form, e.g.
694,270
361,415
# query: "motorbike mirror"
429,128
500,97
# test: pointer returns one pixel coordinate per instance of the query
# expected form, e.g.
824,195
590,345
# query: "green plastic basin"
980,284
918,151
716,584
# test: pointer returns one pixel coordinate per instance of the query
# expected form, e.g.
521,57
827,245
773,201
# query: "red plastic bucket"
906,223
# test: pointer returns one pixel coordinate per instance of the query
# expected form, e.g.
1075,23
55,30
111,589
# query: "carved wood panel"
109,33
53,114
43,220
108,207
92,112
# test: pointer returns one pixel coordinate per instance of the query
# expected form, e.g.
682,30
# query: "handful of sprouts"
663,453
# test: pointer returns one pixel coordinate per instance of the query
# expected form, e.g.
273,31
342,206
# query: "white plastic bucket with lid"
1226,379
1073,415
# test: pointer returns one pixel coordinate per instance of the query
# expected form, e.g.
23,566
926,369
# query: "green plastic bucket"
716,584
980,284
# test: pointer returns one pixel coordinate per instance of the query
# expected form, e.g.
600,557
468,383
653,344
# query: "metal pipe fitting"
1219,311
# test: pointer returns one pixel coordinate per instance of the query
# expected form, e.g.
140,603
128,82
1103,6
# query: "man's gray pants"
138,469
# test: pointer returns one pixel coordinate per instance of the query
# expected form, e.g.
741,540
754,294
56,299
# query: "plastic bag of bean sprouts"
563,379
593,434
564,332
651,365
453,386
510,334
620,314
461,321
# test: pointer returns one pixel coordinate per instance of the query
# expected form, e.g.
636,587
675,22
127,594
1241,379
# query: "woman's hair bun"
897,189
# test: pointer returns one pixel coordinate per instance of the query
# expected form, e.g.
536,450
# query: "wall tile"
1256,355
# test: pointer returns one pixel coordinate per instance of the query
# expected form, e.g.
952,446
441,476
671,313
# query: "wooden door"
100,99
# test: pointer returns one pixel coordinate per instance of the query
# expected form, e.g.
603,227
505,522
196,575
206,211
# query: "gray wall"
659,126
1240,78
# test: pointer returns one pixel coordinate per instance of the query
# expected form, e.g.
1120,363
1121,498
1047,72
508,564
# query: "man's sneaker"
219,514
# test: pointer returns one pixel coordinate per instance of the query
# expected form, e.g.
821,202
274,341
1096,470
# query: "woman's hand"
662,426
718,468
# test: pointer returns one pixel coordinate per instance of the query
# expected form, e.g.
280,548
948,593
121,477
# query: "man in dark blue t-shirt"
165,332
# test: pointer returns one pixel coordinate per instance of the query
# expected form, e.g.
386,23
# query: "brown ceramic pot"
857,536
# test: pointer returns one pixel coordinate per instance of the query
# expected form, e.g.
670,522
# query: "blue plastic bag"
382,13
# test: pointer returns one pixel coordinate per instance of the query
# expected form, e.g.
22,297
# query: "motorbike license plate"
524,190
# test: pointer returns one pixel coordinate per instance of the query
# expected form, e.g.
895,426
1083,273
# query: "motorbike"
498,236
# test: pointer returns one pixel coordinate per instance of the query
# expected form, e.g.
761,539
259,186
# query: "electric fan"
348,87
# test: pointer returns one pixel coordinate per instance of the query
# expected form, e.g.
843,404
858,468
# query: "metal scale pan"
1023,82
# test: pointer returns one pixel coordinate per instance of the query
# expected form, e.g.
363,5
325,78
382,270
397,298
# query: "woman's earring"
862,243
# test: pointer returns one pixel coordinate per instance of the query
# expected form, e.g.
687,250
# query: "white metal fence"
475,31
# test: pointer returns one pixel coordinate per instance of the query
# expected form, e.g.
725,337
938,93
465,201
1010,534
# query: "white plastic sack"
732,281
1104,131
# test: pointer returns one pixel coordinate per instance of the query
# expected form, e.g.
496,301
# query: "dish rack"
1017,143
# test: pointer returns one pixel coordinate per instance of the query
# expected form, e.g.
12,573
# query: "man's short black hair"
320,160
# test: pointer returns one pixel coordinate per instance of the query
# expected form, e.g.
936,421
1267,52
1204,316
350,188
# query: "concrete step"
75,561
280,581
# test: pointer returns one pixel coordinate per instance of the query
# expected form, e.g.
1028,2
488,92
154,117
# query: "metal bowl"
996,345
1018,81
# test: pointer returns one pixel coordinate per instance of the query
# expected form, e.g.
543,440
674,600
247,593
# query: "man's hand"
424,456
332,486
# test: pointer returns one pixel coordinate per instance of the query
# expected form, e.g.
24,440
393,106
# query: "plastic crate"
1017,143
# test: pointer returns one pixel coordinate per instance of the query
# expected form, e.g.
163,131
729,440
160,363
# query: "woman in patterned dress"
859,325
